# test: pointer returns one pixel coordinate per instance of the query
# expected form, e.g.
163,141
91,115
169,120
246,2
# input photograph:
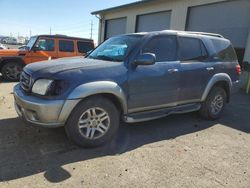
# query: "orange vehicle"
39,48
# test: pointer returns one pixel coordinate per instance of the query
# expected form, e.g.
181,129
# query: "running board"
155,114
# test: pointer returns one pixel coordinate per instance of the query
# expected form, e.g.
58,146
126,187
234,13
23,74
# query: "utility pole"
91,29
50,30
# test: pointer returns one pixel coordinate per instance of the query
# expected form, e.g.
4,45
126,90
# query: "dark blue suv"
133,78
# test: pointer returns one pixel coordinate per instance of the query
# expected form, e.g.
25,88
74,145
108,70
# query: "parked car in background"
23,47
9,40
2,47
40,48
134,77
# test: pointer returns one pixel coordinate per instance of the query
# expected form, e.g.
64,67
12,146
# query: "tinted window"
84,47
164,48
116,48
191,49
223,50
66,46
45,44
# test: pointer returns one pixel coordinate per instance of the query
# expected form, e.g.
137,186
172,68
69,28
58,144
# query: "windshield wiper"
107,58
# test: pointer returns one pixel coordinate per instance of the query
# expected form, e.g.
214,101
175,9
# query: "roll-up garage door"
231,19
115,27
153,22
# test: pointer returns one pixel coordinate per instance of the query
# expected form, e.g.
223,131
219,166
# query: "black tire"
207,111
76,134
11,71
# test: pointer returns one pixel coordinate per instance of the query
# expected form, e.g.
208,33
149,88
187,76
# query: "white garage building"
231,18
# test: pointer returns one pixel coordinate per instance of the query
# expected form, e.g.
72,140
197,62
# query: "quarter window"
223,50
84,47
66,46
45,44
164,48
191,49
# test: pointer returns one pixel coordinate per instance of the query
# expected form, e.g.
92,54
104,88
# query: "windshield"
31,42
115,48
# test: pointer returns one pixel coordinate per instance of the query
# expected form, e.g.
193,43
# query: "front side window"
164,48
191,49
66,46
44,44
115,48
84,47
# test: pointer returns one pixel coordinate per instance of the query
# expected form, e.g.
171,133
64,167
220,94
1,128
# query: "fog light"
32,115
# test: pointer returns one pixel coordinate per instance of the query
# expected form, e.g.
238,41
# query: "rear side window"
164,48
224,51
191,49
66,46
84,47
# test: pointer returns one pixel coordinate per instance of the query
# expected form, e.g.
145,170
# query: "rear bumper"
236,85
42,112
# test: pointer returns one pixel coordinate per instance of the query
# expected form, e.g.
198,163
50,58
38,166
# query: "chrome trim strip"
174,104
129,119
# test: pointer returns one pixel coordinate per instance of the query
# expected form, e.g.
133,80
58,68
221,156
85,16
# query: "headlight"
41,86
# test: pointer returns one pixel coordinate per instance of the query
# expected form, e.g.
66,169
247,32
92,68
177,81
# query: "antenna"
91,29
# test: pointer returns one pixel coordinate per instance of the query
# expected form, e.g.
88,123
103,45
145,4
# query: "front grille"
25,81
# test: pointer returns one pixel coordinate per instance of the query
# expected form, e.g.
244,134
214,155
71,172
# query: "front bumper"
42,112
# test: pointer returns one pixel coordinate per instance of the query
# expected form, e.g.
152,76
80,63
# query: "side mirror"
35,48
145,59
89,52
246,66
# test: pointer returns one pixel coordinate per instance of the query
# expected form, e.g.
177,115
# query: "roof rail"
204,33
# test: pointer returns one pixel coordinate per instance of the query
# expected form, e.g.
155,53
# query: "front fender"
100,87
216,78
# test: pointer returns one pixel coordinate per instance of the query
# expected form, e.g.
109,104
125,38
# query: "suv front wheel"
93,122
214,105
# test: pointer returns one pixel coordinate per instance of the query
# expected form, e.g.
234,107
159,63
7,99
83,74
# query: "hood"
49,68
12,52
76,71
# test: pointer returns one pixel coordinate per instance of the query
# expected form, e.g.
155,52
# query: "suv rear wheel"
11,71
93,122
214,105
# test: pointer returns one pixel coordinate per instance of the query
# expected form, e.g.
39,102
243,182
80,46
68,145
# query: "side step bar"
155,114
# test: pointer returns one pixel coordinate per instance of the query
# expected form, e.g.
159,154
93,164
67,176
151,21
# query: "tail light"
238,69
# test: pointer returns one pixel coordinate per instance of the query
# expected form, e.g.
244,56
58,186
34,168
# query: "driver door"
156,86
44,49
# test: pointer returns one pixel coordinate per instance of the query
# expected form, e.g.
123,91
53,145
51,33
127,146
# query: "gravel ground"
176,151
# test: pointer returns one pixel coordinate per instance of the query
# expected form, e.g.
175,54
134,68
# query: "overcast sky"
70,17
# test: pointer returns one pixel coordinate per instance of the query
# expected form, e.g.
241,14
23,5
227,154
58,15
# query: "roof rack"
204,33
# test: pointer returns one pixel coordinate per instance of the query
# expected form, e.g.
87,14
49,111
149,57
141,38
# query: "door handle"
173,70
210,68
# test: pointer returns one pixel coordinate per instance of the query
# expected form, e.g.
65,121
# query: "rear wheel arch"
222,80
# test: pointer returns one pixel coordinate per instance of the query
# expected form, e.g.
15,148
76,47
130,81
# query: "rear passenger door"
66,48
195,71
